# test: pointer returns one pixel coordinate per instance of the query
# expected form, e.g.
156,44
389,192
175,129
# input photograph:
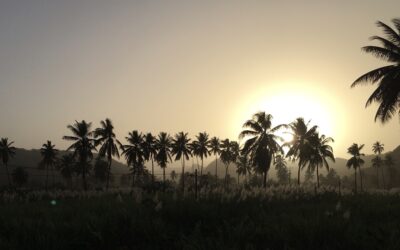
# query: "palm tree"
300,143
262,144
109,144
378,148
134,153
83,144
66,165
214,148
318,151
282,171
173,175
387,77
7,151
181,150
389,163
201,148
355,161
377,162
242,167
226,155
150,151
49,154
163,146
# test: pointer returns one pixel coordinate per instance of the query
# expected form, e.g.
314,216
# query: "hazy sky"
188,65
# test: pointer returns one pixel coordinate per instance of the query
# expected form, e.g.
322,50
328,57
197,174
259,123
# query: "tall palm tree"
262,145
215,149
66,165
7,151
378,148
355,161
109,144
387,77
318,151
298,147
134,153
163,155
389,163
181,151
82,146
201,148
150,151
49,154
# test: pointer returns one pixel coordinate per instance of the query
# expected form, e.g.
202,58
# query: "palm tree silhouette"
317,151
83,144
387,77
377,163
282,171
262,144
355,161
150,151
389,163
109,144
49,154
201,148
300,143
7,151
181,150
243,167
173,175
163,151
226,155
378,148
215,149
134,153
66,165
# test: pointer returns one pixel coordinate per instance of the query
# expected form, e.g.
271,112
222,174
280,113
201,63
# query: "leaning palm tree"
214,148
163,155
262,145
49,154
109,144
201,148
355,161
150,151
134,153
299,145
318,151
387,78
181,151
378,148
82,146
7,151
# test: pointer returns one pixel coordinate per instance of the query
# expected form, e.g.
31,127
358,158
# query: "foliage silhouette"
355,162
7,151
49,154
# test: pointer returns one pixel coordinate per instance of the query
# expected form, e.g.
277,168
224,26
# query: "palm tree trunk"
383,179
201,171
164,178
377,177
84,176
183,174
47,175
109,171
216,168
54,176
133,176
226,175
8,175
265,179
355,180
361,187
152,170
317,178
298,177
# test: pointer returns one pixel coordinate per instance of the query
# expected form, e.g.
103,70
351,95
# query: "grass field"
291,219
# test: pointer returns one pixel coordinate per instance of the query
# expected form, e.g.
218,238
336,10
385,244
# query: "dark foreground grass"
360,222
